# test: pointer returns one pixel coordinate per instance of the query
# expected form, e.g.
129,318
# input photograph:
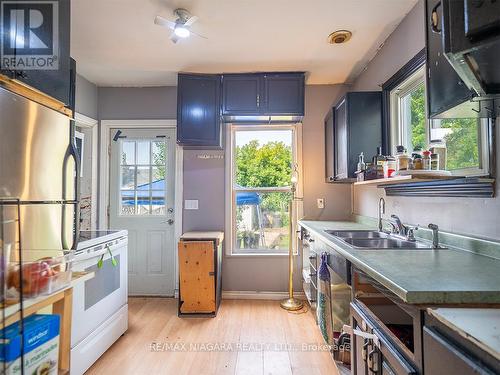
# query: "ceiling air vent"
339,37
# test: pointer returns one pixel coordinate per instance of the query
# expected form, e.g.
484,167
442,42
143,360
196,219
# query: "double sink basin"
366,239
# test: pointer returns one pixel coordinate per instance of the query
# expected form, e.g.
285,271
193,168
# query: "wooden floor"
248,337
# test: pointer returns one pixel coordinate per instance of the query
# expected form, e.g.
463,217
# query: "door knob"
170,221
170,210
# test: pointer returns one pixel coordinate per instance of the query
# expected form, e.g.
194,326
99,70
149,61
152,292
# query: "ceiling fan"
181,27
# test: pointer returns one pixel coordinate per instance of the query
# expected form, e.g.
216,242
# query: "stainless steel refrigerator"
38,166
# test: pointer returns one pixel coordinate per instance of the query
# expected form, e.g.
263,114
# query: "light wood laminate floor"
253,337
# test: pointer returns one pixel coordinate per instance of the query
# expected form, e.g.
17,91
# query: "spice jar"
434,162
389,166
417,161
426,160
403,160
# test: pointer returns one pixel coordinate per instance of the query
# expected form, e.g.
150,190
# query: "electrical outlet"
321,202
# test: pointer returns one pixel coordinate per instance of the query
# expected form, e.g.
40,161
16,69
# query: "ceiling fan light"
182,32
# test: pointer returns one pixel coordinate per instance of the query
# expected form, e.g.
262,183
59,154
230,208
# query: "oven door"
100,297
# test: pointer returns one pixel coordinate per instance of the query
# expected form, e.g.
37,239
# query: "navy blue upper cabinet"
198,110
284,93
257,94
50,71
241,94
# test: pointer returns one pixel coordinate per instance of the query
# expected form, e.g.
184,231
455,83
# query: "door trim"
90,123
104,141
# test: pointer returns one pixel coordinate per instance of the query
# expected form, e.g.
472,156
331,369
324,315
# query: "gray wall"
404,43
479,217
135,103
319,100
86,97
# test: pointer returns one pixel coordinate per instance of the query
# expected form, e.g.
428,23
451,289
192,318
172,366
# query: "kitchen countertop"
443,276
480,326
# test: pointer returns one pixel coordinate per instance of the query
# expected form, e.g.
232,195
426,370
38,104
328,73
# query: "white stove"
100,309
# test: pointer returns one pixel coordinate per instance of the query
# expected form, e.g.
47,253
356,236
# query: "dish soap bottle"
361,162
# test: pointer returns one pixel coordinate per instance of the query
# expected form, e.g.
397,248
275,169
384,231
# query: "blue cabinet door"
56,47
241,94
284,94
198,110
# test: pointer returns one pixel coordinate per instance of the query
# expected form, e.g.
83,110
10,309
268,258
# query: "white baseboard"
274,296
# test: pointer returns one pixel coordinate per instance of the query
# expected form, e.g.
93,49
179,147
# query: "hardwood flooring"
247,337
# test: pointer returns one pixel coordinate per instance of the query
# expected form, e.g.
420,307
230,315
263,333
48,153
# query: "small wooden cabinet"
198,110
258,94
200,272
353,126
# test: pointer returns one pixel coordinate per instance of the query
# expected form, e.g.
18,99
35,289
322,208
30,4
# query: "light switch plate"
321,203
191,204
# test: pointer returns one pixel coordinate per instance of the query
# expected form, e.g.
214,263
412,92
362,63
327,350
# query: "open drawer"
374,348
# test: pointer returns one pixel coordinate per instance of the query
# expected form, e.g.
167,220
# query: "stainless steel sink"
385,243
365,234
369,239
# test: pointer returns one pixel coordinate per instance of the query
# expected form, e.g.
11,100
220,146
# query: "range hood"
471,44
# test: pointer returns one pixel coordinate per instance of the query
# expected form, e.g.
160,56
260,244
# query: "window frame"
230,248
399,136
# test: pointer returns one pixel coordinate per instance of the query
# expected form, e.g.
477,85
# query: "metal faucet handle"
435,235
410,233
433,226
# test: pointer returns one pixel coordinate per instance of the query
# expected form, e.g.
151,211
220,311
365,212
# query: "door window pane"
127,177
143,182
143,155
128,153
159,153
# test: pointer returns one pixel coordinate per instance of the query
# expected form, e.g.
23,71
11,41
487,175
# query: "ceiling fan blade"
159,20
201,36
191,20
174,38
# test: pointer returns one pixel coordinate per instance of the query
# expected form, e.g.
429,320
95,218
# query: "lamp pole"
291,304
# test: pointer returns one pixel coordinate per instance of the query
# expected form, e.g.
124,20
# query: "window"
142,177
461,143
263,159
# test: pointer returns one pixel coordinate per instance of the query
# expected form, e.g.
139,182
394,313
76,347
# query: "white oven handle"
80,264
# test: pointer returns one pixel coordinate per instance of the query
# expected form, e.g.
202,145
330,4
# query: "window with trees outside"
262,163
462,142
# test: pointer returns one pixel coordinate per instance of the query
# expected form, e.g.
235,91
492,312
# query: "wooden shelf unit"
61,302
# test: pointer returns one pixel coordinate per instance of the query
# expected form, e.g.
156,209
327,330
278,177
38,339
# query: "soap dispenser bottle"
361,163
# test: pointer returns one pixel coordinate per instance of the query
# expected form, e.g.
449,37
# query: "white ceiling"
116,43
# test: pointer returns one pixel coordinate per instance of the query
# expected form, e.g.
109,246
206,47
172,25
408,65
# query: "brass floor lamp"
291,303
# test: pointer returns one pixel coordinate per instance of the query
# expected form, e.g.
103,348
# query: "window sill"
256,255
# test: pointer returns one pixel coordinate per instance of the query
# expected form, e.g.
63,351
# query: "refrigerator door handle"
71,153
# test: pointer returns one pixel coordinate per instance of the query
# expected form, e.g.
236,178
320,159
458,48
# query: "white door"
142,172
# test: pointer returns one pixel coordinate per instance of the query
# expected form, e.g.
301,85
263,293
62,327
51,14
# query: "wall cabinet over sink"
263,94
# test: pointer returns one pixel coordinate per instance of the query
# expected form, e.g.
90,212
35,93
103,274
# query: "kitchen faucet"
400,227
403,230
